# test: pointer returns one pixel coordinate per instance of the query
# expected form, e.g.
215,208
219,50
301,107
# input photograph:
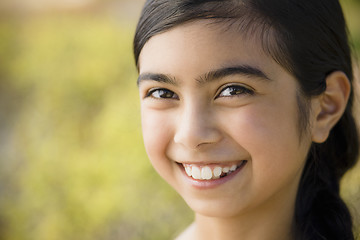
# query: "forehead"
198,46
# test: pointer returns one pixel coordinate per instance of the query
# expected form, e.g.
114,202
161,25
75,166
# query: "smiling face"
220,120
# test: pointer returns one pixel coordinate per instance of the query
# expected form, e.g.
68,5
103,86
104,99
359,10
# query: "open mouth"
209,172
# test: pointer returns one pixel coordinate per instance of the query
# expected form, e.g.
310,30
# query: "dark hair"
309,39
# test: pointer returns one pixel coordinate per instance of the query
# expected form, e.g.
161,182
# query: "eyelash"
164,91
238,89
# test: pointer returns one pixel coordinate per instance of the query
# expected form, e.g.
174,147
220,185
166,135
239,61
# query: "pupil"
235,91
165,94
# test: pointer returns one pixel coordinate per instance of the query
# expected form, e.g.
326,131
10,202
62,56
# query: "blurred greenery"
72,162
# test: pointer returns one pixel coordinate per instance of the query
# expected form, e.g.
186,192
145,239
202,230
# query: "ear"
330,105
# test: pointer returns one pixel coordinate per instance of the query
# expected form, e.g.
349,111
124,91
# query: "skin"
249,114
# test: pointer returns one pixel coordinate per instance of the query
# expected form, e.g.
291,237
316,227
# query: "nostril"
197,138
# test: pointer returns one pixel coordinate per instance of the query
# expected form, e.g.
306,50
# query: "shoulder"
187,234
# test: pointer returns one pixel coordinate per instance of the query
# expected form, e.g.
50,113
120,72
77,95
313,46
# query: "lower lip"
212,183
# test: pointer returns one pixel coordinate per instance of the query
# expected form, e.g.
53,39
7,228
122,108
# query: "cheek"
271,138
157,136
153,134
265,126
269,132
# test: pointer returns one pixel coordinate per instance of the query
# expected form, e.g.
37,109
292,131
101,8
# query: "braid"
320,213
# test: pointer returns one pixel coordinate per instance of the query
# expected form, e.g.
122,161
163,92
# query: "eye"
235,90
161,93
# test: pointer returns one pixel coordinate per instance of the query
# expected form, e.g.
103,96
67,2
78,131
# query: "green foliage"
74,166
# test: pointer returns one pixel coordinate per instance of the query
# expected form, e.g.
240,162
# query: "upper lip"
208,159
211,162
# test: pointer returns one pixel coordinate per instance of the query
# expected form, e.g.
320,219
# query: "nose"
196,126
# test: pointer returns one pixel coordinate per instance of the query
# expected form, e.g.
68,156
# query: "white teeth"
196,173
188,170
217,172
233,167
206,173
226,169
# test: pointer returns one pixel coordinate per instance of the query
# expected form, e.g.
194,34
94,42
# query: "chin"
214,208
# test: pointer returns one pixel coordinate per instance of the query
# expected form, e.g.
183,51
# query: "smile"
209,172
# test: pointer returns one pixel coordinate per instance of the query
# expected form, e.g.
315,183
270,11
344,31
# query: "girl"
247,112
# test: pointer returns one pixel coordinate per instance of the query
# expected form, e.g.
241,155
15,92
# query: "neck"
271,222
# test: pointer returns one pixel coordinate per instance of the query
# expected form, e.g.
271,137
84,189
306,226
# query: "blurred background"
72,161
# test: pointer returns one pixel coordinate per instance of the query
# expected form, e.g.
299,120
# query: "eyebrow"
156,77
213,75
245,70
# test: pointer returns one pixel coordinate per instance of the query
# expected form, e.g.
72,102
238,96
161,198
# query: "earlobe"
331,105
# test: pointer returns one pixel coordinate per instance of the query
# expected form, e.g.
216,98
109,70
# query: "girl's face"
220,120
